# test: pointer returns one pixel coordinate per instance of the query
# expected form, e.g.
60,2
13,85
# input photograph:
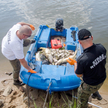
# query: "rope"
47,94
27,87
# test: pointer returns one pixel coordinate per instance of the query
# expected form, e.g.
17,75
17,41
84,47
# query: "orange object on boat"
64,45
55,44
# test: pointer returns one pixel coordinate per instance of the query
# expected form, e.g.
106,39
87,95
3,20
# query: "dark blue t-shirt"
91,63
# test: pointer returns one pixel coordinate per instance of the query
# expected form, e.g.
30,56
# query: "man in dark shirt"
90,66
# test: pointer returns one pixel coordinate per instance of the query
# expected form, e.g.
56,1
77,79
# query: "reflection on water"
45,12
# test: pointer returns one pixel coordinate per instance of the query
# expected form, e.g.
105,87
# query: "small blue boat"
60,78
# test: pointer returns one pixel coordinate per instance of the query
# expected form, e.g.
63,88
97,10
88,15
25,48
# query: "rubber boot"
97,95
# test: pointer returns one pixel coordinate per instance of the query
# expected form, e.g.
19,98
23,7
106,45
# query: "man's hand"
32,71
71,61
32,27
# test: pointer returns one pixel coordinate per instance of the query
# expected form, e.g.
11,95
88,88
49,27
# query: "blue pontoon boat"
61,78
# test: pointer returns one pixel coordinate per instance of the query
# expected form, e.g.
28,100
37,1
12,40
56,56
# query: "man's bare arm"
23,23
75,67
24,63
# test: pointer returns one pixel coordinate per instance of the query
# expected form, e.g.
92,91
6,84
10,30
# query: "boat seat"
58,33
70,44
53,71
69,39
44,38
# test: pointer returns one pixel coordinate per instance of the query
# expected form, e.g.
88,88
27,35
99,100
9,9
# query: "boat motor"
59,24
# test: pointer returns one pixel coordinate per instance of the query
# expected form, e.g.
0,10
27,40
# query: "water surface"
89,14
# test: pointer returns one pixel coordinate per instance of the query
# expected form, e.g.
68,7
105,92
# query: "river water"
89,14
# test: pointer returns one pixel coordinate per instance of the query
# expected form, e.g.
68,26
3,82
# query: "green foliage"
34,102
50,103
62,48
68,103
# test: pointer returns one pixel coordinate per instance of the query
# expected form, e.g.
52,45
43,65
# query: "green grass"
50,102
72,103
67,103
34,102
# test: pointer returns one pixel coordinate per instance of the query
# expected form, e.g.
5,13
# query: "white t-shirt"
12,46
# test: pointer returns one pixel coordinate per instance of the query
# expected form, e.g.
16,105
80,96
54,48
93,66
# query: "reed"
70,103
67,102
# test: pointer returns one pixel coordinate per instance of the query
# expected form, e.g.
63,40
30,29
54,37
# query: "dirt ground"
16,97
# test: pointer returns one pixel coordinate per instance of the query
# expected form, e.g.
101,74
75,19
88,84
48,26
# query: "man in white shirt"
12,48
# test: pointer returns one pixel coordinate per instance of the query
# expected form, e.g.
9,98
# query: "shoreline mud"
18,96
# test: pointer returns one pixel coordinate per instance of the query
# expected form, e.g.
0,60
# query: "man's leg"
84,93
16,70
97,95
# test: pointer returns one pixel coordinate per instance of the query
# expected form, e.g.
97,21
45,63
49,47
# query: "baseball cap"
84,34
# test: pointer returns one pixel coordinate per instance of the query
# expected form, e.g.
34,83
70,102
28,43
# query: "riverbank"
16,97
